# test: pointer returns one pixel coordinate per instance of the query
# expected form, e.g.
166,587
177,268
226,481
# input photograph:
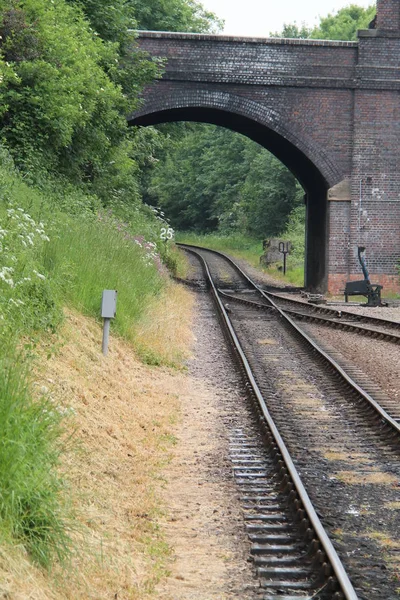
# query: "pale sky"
260,17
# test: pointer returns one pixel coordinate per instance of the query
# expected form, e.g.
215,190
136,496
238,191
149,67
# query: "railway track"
291,550
347,321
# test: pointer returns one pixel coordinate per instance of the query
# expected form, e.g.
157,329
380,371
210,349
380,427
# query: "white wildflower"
16,302
6,278
39,274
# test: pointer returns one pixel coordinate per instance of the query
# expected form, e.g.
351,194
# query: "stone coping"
247,40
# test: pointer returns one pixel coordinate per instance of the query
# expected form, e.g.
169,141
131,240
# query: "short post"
284,249
108,312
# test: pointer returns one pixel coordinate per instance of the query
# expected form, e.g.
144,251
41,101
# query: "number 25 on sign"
166,234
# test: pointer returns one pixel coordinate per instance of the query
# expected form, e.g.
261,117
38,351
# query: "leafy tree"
293,31
175,15
340,26
344,24
63,98
111,20
213,178
269,194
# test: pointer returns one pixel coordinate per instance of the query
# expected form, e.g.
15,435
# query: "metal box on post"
109,304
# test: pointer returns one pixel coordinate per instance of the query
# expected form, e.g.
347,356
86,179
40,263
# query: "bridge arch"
262,124
311,165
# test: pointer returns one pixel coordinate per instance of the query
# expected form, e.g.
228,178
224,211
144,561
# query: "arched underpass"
303,168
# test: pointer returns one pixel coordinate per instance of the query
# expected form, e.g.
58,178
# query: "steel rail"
352,384
341,575
325,320
320,308
316,308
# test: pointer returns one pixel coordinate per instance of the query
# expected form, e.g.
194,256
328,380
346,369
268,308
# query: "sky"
260,17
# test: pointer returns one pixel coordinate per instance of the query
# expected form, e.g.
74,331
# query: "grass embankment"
250,250
121,415
58,249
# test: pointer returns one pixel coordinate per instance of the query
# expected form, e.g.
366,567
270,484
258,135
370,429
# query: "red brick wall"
388,14
329,110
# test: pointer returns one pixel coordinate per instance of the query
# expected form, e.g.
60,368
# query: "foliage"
54,249
31,507
235,244
65,97
295,233
292,30
175,15
111,20
344,24
211,178
340,26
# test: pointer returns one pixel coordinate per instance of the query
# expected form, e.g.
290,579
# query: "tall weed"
31,505
88,256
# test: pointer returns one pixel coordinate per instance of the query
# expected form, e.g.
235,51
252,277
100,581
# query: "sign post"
284,249
108,312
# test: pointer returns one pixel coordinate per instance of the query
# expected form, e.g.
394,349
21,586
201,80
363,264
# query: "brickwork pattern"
329,110
388,14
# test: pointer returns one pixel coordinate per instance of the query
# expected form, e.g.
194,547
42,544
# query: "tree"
344,24
212,178
293,31
65,97
175,15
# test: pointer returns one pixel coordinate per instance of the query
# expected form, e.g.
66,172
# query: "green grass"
236,244
87,257
294,275
56,249
32,509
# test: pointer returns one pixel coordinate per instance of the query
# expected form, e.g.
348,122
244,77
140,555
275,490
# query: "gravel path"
205,526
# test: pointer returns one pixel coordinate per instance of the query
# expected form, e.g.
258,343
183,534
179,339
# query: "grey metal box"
109,304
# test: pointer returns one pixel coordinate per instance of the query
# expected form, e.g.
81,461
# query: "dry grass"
162,335
374,477
123,415
267,342
334,455
384,539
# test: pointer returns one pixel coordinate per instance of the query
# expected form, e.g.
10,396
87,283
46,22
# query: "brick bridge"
330,111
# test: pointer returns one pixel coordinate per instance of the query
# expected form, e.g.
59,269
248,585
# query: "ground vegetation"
72,222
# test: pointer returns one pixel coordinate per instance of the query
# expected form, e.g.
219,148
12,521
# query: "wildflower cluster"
150,254
18,237
22,282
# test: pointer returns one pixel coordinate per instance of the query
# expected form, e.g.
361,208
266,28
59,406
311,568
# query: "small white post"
108,312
